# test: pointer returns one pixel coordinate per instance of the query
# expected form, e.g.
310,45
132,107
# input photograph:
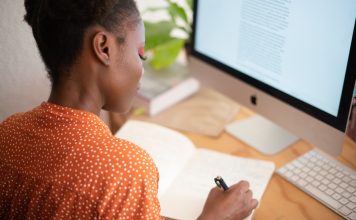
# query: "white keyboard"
325,179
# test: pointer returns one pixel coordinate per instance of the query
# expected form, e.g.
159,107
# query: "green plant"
162,46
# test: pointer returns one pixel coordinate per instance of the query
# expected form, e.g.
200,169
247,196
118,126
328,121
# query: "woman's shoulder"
120,155
112,160
14,120
21,117
132,158
130,151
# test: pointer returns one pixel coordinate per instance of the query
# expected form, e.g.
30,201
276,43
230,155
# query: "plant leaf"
158,33
176,10
153,9
166,53
190,3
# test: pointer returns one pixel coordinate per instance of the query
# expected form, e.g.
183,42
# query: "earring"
107,62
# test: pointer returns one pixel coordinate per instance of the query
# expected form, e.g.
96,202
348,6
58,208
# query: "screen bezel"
339,122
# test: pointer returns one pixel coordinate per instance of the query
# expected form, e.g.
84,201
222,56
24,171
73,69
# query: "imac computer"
293,62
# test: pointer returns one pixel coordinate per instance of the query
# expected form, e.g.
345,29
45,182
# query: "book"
160,89
187,173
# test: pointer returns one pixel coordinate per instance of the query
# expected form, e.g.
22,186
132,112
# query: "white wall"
24,83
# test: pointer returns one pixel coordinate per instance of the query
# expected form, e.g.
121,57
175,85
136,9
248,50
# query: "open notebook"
187,173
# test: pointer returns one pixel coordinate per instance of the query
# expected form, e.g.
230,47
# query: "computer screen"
299,53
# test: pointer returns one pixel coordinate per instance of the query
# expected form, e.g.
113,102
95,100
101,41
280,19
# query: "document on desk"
187,173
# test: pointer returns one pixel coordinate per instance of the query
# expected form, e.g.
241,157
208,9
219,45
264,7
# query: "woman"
60,160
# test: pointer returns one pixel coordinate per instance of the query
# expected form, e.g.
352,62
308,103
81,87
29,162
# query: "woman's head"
60,28
59,25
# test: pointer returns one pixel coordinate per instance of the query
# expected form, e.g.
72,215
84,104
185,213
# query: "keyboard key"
344,210
339,168
302,160
336,196
336,181
325,181
303,175
339,175
330,177
332,186
316,169
295,178
353,199
323,172
309,179
297,170
310,165
346,179
316,183
346,194
352,216
332,202
318,177
329,192
345,172
339,190
343,185
351,189
312,173
343,201
351,206
320,163
326,166
306,169
302,182
353,183
322,187
333,171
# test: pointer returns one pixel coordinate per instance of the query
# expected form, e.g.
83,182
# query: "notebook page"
169,149
185,198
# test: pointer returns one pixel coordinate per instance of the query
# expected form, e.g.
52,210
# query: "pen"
221,183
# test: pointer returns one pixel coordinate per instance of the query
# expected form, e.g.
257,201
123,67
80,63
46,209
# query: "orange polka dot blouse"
62,163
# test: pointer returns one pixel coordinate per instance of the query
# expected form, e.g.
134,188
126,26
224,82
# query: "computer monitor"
292,62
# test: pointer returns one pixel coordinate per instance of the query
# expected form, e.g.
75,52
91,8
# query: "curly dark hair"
58,27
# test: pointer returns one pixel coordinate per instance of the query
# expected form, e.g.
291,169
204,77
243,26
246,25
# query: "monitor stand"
262,134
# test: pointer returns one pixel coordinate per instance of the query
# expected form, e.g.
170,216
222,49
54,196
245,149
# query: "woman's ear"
101,47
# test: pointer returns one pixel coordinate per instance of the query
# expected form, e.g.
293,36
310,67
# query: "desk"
281,200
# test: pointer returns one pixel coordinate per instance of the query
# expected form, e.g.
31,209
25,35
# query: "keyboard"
325,179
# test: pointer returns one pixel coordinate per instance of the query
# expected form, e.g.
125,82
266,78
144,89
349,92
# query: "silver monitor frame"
313,130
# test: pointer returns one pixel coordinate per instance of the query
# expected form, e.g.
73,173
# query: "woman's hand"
236,203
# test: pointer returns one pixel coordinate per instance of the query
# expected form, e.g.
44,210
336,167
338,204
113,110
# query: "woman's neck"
77,93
